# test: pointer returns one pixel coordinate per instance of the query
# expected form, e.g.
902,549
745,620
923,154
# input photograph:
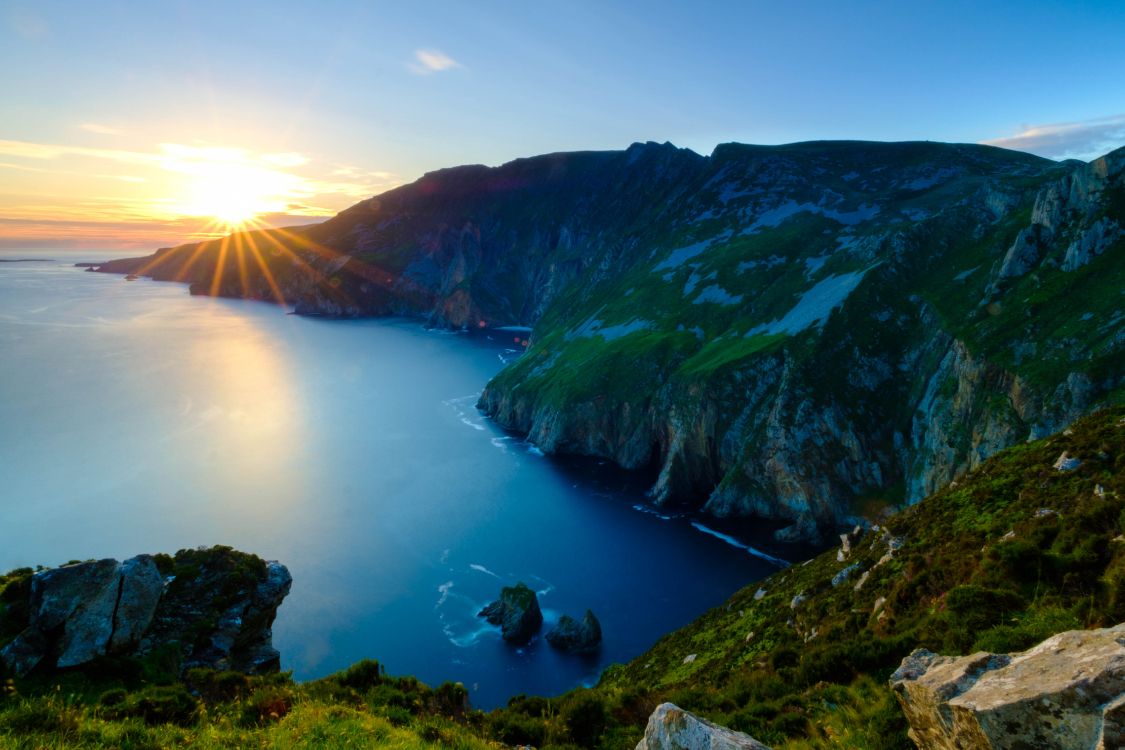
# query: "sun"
231,193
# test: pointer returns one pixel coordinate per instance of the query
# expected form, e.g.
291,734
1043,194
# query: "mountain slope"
807,332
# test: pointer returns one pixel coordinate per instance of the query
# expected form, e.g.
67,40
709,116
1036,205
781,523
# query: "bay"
136,418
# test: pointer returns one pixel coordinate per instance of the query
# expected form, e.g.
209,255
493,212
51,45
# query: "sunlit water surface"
136,418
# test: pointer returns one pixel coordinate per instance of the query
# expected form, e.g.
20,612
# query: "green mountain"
807,333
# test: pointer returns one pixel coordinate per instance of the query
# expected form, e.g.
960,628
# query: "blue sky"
367,95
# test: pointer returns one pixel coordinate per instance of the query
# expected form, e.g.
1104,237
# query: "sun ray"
240,258
185,269
220,264
278,296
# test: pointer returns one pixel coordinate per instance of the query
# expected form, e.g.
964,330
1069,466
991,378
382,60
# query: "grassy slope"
1011,554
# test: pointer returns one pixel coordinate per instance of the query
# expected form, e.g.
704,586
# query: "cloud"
1085,140
432,61
95,127
183,184
287,160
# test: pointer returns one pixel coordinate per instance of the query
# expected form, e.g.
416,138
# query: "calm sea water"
136,418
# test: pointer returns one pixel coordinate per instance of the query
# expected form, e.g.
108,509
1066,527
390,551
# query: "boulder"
516,612
1067,692
85,610
218,611
576,637
138,595
672,728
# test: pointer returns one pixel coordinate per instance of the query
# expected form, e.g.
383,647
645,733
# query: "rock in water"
672,728
516,612
576,637
1067,692
217,608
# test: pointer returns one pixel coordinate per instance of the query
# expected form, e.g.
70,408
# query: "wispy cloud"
427,61
97,127
1085,140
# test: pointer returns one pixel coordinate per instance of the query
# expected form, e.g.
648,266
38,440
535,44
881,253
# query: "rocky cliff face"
799,332
214,606
1067,692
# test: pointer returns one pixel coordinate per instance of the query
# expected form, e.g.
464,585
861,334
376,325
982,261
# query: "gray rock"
83,611
516,612
89,627
1023,254
576,637
58,592
86,610
672,728
1067,692
1094,241
1066,462
141,587
241,638
844,574
25,651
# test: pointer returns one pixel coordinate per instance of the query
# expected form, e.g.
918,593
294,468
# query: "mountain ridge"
805,332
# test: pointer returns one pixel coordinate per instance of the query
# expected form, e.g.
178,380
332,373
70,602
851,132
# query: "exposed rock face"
516,612
672,728
576,637
782,332
218,609
1067,692
83,611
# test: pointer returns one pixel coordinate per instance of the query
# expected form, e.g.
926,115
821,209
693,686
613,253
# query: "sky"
142,124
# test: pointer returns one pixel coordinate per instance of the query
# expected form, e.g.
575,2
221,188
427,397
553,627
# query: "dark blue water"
135,418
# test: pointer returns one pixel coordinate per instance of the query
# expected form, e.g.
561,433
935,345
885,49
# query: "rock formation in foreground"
516,612
216,605
672,728
1067,692
576,637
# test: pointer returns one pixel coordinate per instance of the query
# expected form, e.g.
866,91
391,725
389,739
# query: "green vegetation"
1009,554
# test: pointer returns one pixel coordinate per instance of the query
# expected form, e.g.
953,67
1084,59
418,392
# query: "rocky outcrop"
672,728
576,637
516,612
216,606
82,611
1067,692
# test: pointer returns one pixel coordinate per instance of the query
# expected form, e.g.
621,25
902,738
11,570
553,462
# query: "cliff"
808,332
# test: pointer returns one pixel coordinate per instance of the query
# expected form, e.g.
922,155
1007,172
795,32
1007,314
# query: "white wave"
471,423
652,512
482,569
464,640
735,543
498,442
534,450
444,589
